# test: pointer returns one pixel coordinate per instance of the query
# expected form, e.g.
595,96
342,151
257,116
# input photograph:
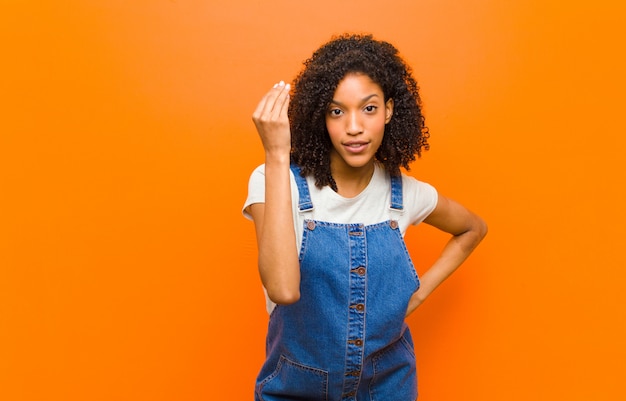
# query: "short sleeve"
256,189
421,199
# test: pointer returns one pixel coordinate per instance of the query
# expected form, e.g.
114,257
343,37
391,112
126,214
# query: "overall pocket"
395,374
291,380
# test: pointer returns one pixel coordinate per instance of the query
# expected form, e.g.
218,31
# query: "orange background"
128,273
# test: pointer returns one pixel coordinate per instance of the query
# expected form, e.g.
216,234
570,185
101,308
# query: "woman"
330,207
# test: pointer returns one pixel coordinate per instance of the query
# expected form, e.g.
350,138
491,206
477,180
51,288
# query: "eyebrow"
365,99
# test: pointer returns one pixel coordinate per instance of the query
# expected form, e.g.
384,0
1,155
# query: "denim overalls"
345,339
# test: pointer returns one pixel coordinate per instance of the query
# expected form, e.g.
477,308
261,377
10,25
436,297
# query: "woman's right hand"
272,122
278,255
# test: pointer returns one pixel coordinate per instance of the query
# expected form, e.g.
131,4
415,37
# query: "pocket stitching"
283,360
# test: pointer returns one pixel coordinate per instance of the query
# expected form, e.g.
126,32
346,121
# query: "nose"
354,124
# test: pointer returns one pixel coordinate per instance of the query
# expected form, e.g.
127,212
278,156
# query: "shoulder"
420,197
412,183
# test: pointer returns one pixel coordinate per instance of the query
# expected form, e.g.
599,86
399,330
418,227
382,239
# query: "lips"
355,146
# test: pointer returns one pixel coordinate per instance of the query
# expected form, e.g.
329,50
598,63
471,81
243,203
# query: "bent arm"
467,231
278,258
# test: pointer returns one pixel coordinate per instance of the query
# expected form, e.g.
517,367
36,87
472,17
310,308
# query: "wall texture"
128,273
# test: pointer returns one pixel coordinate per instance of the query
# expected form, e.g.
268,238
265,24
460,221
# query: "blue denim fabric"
345,339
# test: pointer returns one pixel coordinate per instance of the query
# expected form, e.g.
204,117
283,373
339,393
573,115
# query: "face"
356,122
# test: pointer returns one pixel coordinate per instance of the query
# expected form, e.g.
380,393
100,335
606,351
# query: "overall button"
358,342
310,225
393,224
360,271
359,307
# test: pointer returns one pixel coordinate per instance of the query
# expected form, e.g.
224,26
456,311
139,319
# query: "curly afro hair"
313,89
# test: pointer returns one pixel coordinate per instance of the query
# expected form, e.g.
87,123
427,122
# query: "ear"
388,110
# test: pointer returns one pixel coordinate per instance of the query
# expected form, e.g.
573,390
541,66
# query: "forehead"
357,85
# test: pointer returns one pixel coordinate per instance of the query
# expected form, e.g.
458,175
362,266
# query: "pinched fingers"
273,106
271,120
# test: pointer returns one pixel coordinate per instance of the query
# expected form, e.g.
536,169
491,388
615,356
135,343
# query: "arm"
278,259
467,231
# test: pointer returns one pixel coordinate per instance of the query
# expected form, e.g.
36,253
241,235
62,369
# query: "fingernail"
281,83
275,85
288,87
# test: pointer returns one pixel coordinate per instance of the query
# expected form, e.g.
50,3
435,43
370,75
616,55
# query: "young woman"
330,207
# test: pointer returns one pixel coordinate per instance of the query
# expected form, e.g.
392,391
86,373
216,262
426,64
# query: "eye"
370,109
335,112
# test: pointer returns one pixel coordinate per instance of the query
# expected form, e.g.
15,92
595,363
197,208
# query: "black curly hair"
313,89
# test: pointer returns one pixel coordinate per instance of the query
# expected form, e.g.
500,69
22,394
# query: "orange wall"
128,273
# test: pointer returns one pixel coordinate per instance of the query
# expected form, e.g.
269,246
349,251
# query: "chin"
359,163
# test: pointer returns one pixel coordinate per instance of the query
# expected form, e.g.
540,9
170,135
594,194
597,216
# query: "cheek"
378,125
333,129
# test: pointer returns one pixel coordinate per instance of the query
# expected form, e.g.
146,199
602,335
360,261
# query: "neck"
352,181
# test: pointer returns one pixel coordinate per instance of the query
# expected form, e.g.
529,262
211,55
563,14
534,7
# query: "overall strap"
396,193
305,203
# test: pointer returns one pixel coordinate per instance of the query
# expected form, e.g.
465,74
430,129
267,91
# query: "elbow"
482,229
479,230
284,297
475,233
281,281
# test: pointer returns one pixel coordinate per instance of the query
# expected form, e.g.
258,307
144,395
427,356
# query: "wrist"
277,157
415,301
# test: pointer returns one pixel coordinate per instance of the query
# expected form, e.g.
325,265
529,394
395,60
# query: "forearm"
455,252
278,260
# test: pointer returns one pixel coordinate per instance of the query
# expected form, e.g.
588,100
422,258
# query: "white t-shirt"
371,206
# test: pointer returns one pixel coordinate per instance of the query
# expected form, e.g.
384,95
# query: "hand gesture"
271,121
